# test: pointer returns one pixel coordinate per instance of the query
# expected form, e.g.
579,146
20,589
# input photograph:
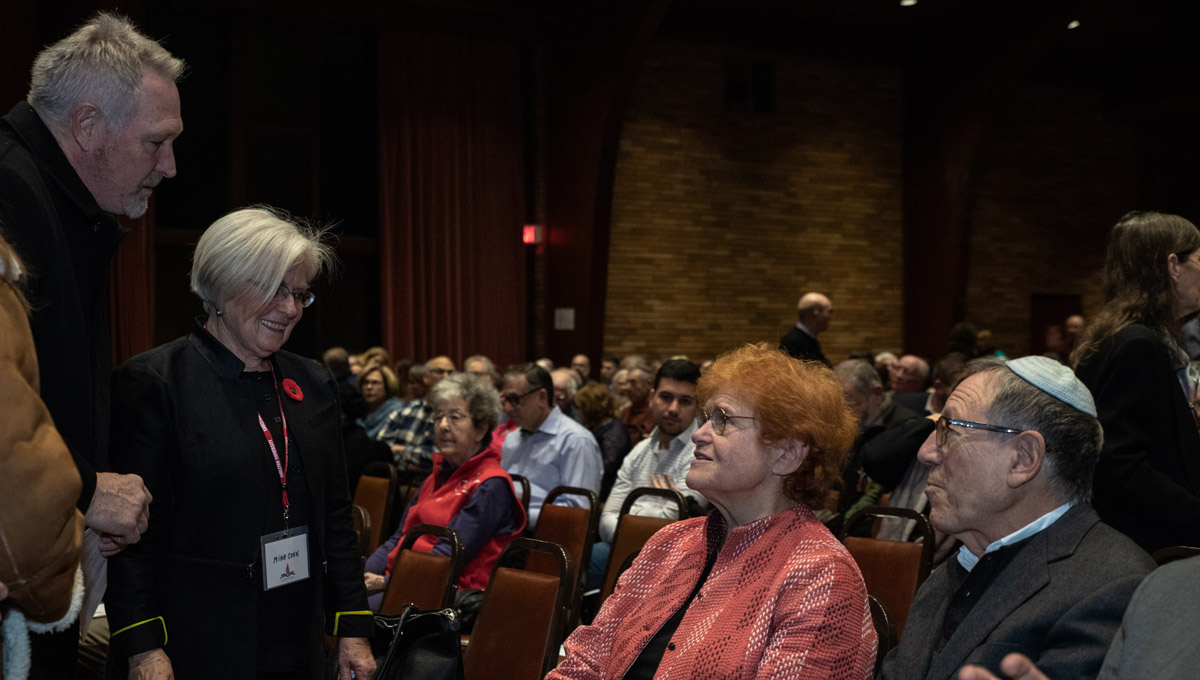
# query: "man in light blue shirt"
547,448
1010,475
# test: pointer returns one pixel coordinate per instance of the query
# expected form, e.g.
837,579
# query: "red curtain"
451,198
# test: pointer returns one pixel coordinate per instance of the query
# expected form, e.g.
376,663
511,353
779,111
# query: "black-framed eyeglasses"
719,418
303,296
513,400
944,423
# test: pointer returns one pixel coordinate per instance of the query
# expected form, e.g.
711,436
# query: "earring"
219,312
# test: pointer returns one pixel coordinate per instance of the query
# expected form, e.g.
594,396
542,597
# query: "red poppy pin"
291,389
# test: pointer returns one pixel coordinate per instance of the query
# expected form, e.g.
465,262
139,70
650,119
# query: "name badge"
285,557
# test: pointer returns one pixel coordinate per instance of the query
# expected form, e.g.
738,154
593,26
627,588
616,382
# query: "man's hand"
374,583
663,482
3,596
151,665
1014,667
354,659
119,512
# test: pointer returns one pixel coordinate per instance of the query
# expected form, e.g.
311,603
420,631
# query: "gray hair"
572,380
101,62
483,402
254,248
1073,438
859,375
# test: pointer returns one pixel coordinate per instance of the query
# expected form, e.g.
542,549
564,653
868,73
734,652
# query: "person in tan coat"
40,528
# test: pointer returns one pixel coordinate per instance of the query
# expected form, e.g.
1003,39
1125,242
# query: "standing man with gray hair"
92,140
1010,475
814,310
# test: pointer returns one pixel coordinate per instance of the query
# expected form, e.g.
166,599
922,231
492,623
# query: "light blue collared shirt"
968,560
561,453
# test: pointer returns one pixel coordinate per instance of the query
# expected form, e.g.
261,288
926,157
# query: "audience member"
758,588
482,368
545,363
549,449
638,418
416,383
598,413
814,311
1148,477
608,368
566,381
910,374
469,493
661,460
337,361
1010,475
582,366
379,387
889,436
884,361
410,431
632,361
963,340
92,140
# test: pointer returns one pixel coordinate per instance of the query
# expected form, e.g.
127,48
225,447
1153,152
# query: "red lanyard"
280,468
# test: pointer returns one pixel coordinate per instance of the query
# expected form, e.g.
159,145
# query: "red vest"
440,505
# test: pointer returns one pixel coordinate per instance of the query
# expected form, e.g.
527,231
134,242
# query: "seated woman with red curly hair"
759,587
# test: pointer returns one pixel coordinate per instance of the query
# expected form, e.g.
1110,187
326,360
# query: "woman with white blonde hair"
250,557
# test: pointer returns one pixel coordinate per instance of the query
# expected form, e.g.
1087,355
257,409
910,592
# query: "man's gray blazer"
1158,636
1060,601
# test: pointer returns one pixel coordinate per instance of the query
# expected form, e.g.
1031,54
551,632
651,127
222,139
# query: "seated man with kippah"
1010,474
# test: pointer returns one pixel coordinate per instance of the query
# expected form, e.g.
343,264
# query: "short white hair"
102,62
249,251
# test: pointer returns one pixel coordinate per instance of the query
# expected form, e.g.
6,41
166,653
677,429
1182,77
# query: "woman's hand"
151,665
354,659
374,582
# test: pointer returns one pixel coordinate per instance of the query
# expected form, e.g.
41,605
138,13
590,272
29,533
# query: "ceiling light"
1074,24
907,3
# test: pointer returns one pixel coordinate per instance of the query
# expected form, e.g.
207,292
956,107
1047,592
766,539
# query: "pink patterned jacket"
784,600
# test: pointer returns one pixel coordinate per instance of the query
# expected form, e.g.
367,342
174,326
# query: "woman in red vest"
468,491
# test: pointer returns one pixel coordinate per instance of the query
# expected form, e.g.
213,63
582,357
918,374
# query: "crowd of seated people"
1038,477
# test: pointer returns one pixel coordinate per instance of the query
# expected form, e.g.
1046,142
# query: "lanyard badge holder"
284,553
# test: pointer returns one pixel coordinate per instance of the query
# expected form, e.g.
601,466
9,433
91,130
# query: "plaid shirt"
411,427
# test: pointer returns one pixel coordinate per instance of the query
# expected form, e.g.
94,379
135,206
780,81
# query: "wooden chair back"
520,620
376,493
429,581
633,531
892,570
521,489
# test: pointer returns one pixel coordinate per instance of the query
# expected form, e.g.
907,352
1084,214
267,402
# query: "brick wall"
721,220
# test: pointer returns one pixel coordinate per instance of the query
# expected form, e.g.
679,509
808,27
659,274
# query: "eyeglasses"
718,419
303,296
514,399
439,371
944,423
455,417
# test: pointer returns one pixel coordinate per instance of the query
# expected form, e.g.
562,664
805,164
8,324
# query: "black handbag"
417,644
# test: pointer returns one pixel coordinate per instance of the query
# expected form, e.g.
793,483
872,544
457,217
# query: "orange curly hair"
793,400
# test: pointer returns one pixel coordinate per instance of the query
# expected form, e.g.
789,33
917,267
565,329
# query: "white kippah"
1054,379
